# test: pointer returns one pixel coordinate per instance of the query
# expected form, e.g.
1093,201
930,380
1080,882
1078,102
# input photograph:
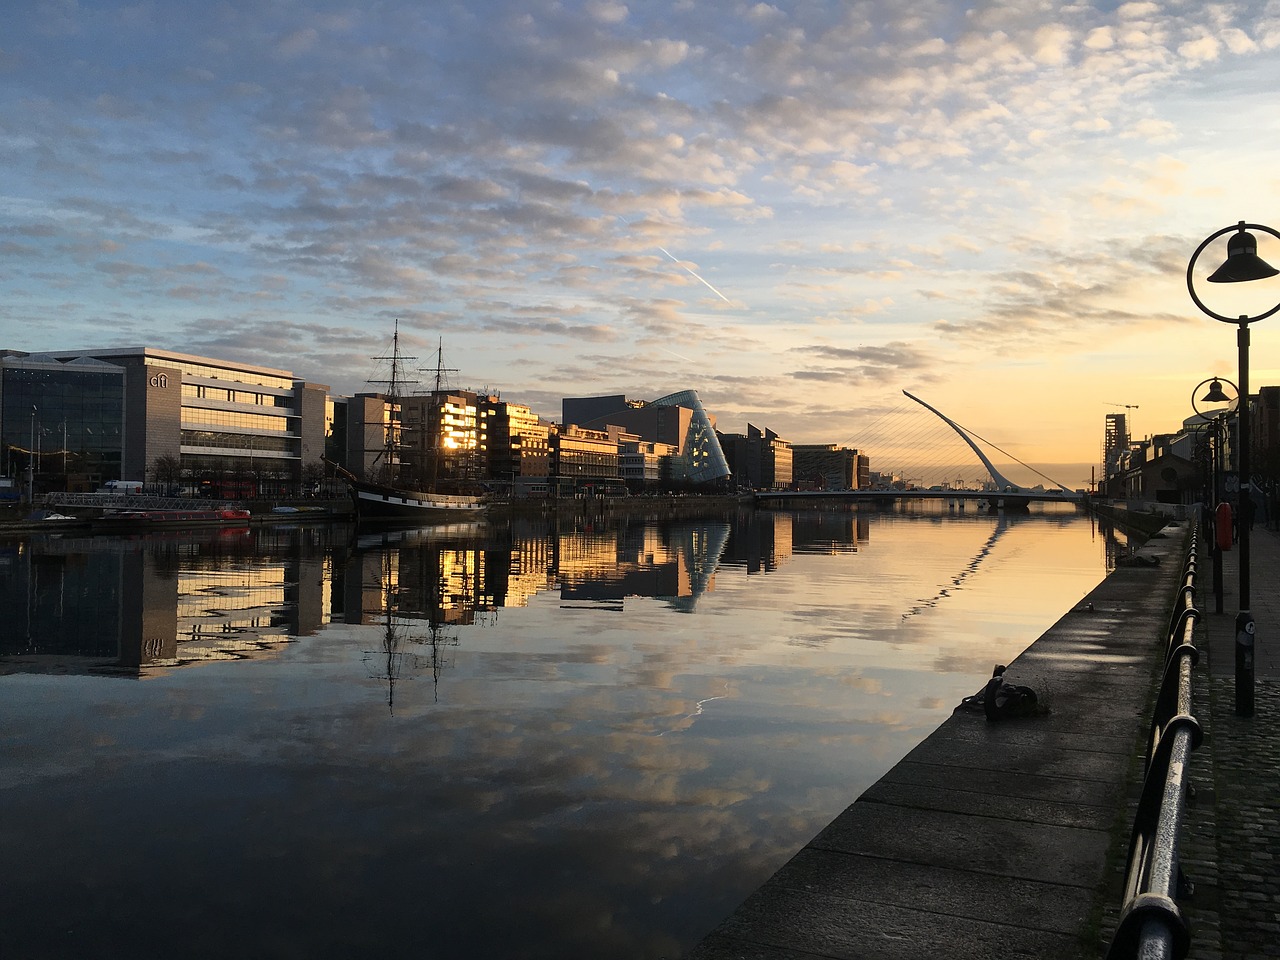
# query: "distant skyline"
798,209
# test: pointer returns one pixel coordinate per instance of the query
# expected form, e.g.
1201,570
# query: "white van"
121,486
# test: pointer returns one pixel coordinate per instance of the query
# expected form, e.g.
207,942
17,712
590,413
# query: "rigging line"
899,408
1043,476
909,435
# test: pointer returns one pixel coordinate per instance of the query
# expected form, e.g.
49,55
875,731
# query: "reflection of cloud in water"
587,785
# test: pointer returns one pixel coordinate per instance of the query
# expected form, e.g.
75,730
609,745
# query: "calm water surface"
590,742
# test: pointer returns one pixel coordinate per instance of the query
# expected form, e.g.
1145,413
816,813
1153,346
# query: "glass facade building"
208,426
62,421
678,419
700,453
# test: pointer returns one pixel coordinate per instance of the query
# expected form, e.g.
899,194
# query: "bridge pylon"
1003,483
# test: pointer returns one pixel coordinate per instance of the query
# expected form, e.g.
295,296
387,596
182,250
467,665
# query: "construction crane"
1128,425
1127,407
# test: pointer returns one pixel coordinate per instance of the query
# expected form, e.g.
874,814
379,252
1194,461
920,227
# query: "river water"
590,741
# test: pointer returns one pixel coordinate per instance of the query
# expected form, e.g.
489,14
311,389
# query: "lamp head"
1215,394
1243,262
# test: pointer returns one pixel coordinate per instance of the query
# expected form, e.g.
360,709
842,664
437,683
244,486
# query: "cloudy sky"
799,209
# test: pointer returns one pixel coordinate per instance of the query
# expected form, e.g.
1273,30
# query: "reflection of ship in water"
407,642
138,606
418,587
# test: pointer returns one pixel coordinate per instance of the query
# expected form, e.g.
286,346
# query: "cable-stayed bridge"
935,458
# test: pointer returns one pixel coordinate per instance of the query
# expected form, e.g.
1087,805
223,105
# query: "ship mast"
435,429
390,454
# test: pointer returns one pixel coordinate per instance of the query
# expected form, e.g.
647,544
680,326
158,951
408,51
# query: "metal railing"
129,501
1152,926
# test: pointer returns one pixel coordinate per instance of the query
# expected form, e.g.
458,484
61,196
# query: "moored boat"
392,499
155,519
376,501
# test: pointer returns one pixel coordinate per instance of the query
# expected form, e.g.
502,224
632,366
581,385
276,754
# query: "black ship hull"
375,501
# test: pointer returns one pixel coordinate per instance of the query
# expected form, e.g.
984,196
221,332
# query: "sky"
798,209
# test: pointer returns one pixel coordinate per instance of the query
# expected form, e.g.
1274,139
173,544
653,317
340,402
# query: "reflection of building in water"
429,581
417,594
761,540
676,563
129,607
59,609
247,608
134,606
225,614
829,531
528,570
452,579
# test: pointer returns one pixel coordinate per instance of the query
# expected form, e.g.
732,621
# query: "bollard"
1244,663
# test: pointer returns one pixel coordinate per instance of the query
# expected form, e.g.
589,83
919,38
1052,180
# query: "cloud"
869,175
1200,50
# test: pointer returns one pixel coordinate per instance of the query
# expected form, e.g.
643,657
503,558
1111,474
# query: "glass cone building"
701,455
678,420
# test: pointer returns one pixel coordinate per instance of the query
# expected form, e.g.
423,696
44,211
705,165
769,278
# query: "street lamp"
1242,264
1215,394
31,462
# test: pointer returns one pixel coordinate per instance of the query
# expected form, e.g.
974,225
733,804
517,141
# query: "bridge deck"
1022,496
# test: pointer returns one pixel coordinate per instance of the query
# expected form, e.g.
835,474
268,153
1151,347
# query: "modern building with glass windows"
227,428
60,420
760,459
678,419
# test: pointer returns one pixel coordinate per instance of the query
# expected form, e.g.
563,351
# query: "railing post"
1152,926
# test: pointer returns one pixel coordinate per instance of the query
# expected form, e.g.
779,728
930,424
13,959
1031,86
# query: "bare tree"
312,476
166,470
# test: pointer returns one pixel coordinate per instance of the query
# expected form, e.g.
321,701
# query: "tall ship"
395,495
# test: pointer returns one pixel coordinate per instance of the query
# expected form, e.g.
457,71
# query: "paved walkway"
1008,839
1231,840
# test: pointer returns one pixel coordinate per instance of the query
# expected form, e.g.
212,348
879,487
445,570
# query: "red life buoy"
1222,526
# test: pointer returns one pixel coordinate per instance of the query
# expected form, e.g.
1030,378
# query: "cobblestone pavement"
1231,839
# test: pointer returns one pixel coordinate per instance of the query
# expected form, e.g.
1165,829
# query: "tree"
312,476
166,470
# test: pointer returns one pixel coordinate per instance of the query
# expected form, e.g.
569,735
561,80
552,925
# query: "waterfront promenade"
1009,838
1231,843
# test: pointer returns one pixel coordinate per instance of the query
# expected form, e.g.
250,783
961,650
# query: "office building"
582,458
213,426
516,442
62,424
759,459
441,437
678,420
641,462
824,466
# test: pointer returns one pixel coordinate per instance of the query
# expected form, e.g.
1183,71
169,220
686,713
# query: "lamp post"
31,461
1242,265
1215,394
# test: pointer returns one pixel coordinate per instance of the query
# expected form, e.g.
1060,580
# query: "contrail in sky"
695,276
680,355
